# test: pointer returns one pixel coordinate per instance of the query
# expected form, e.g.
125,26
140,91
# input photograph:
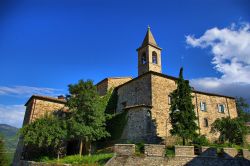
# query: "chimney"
61,97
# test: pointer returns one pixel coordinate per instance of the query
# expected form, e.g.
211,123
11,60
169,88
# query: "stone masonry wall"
184,156
136,92
162,87
109,83
41,107
211,113
139,127
154,150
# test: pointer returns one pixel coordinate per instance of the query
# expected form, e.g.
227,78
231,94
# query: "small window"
143,58
154,57
221,108
203,106
169,100
205,122
149,114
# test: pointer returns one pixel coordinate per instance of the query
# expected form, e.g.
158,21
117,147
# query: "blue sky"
47,44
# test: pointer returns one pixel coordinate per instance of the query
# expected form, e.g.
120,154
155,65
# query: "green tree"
243,109
231,130
182,115
3,158
49,131
87,114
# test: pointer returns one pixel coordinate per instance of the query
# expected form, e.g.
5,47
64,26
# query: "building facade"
146,99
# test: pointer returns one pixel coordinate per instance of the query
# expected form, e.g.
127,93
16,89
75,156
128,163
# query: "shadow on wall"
226,156
140,127
184,155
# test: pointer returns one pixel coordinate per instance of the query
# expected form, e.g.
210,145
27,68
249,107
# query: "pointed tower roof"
149,40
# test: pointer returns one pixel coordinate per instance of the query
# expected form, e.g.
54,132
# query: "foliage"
231,130
3,157
200,140
116,125
182,115
87,113
170,152
243,109
49,131
111,98
139,148
96,159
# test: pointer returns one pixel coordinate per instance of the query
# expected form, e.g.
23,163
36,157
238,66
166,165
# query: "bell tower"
149,55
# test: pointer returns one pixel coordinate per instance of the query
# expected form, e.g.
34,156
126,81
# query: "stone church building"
146,99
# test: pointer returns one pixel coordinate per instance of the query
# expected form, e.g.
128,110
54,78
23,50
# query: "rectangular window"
203,106
221,108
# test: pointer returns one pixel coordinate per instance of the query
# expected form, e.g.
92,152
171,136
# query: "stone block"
184,150
124,149
208,151
230,152
154,150
246,154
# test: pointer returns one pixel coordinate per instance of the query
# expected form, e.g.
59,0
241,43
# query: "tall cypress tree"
182,113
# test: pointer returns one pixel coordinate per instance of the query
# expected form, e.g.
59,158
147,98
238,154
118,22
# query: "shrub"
96,159
200,140
139,148
170,151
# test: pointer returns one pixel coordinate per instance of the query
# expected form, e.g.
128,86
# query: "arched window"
154,57
143,58
149,119
205,122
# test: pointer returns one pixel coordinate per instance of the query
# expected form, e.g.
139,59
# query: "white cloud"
27,91
230,48
12,114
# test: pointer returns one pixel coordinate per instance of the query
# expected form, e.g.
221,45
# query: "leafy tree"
3,158
231,130
182,115
87,113
243,109
49,131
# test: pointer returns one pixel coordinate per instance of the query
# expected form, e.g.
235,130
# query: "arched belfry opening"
154,57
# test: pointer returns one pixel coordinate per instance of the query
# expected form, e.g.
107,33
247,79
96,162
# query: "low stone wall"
230,152
154,150
184,155
246,154
32,163
176,161
124,149
184,150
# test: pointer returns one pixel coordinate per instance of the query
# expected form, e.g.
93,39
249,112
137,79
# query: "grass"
96,159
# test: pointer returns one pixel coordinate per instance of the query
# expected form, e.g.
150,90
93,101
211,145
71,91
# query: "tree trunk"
58,155
80,149
89,149
183,141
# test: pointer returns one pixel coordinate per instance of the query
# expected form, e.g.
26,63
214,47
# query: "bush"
97,159
200,140
139,148
170,151
231,130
